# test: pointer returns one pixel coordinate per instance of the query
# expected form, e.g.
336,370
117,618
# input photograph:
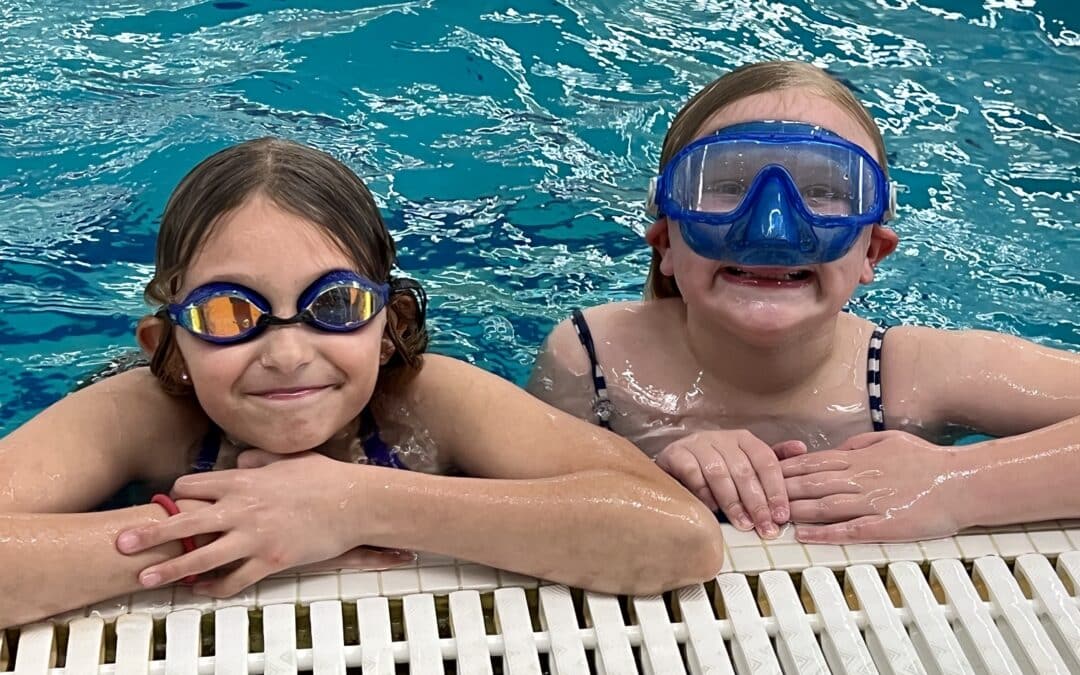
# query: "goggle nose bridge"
770,220
268,319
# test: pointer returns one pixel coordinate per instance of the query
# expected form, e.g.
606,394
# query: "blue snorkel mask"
771,193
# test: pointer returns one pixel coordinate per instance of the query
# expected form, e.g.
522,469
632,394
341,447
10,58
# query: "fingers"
737,473
171,529
253,459
232,583
362,558
814,462
818,485
215,554
683,466
721,484
860,441
789,449
209,487
866,528
768,474
706,497
831,509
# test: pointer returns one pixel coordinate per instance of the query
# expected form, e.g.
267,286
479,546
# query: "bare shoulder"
484,425
634,312
622,329
563,372
122,428
444,382
157,427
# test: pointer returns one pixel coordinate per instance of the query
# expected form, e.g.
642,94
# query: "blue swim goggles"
772,193
224,313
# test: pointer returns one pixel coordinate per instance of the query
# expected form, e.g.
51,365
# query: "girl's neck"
344,445
768,368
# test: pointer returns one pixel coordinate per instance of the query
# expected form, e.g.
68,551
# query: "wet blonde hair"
306,182
755,78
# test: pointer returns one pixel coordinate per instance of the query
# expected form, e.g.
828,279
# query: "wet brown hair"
755,78
306,182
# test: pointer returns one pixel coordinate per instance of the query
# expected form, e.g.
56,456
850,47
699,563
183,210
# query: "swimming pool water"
510,145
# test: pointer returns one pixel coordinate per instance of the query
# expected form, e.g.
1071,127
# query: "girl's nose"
286,348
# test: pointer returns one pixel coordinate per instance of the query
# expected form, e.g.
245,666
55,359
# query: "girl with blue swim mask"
741,375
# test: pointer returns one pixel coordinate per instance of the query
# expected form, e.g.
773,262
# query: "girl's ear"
659,238
148,334
883,241
657,235
386,350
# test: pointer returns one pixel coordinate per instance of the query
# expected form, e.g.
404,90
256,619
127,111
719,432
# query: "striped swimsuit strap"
602,406
873,377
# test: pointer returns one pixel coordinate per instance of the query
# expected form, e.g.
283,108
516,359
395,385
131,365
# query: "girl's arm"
68,459
939,381
895,485
1025,394
1024,478
57,562
553,497
570,502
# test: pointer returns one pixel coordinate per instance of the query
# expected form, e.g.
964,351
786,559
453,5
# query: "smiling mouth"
767,275
290,393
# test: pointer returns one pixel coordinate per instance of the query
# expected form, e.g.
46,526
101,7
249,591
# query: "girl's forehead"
260,239
793,105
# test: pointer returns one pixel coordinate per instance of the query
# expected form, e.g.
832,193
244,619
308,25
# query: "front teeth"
788,276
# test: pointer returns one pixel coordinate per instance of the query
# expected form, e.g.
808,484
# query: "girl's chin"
282,441
762,322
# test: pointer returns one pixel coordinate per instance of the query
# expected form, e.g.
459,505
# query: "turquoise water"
510,145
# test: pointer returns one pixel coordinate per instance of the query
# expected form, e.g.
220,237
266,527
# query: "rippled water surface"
510,145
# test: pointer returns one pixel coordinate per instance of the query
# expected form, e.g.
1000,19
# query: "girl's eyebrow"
257,282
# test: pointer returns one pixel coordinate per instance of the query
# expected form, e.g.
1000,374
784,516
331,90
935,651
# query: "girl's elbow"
704,544
695,551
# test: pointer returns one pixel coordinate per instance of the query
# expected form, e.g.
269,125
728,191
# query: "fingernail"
151,579
126,542
745,523
780,514
768,530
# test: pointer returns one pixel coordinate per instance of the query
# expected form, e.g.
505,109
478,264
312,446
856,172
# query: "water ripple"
511,148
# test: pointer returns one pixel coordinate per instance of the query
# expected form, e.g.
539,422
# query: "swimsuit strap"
873,377
376,450
208,451
602,406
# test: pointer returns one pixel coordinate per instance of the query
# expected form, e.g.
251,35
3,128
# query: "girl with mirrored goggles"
290,443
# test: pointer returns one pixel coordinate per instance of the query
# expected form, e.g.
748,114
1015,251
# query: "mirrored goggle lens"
345,306
832,180
221,316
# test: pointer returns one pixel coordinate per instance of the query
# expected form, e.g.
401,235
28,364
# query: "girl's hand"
879,486
273,513
735,472
361,558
